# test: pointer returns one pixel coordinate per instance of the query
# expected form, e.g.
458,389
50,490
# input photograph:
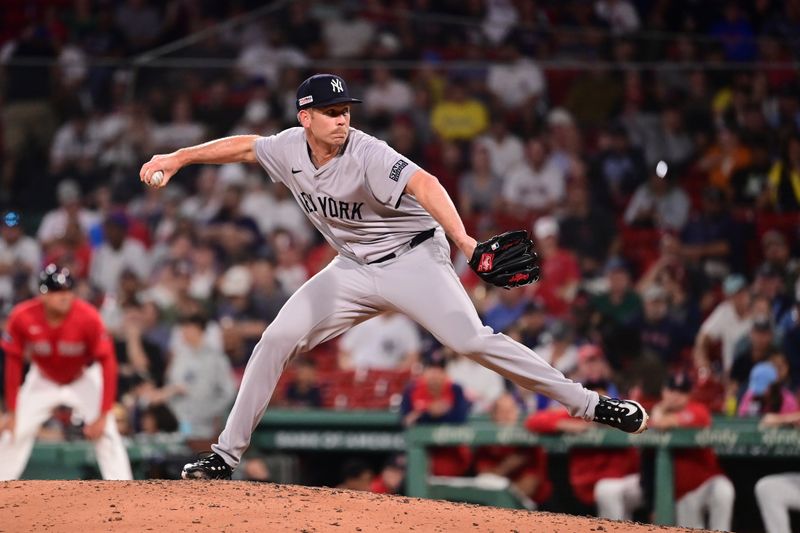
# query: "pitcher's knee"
765,488
468,345
280,341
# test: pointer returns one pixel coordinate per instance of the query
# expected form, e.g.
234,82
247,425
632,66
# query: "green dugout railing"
728,440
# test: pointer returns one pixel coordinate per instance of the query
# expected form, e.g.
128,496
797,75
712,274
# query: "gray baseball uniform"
357,202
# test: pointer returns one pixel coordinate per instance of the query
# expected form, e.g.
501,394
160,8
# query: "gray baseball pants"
422,284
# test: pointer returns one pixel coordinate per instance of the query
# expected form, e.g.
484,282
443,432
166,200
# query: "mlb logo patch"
398,167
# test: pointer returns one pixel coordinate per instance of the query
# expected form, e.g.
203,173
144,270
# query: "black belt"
418,239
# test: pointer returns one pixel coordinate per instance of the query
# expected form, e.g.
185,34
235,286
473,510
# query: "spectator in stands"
140,22
199,386
54,223
658,203
266,293
729,321
27,114
724,158
20,257
388,341
776,253
204,204
607,477
620,15
304,391
72,251
182,130
75,150
700,485
769,284
534,185
617,170
532,326
140,360
766,391
459,116
709,237
587,230
515,81
386,96
508,308
564,139
671,142
505,150
560,271
356,475
593,367
750,184
481,386
736,33
790,331
618,311
233,232
432,398
117,253
661,337
524,467
479,188
558,347
784,179
242,325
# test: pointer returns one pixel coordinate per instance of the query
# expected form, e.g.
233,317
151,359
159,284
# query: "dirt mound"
87,506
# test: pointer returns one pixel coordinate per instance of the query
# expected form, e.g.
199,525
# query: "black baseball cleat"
211,466
625,415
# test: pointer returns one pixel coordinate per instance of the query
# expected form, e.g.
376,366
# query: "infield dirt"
192,506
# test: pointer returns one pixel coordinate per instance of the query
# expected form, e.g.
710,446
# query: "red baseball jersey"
693,467
60,352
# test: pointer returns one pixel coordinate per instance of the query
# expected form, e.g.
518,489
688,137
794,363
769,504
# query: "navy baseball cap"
321,90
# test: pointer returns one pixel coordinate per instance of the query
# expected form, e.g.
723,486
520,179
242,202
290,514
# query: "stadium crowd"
660,178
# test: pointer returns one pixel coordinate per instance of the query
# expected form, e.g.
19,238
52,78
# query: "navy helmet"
54,278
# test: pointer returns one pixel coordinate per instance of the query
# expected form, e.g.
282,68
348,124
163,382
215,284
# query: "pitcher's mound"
88,506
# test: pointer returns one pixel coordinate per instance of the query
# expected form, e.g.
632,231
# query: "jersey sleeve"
13,346
268,151
387,172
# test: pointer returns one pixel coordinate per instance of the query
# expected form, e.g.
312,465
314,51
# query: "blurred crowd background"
652,148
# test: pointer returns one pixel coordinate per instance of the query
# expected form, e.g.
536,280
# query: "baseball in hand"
155,179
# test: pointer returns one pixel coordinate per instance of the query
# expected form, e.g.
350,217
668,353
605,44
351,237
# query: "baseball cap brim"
334,101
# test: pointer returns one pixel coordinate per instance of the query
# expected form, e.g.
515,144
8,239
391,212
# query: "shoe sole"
645,419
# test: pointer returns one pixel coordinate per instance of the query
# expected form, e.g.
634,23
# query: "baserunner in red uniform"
72,363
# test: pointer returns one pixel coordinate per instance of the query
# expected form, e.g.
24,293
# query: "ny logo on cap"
336,85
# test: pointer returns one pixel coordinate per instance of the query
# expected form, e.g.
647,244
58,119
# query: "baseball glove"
506,260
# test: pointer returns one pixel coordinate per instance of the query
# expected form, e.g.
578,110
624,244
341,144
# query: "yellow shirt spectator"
460,118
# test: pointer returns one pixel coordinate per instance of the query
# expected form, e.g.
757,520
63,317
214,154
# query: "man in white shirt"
388,341
54,224
536,184
729,321
506,150
117,253
387,94
516,80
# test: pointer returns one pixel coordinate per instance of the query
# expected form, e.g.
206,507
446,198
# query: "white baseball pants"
776,496
715,497
422,284
37,398
618,498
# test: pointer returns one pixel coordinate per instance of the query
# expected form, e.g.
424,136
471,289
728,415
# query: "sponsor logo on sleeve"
398,167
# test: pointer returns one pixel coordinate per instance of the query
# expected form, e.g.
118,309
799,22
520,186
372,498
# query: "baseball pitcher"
388,219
